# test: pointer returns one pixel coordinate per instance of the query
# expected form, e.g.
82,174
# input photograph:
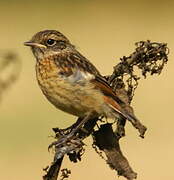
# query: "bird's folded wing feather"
79,70
110,97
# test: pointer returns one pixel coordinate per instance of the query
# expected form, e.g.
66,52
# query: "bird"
71,82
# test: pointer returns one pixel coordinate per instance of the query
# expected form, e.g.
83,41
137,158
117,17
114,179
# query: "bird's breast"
76,99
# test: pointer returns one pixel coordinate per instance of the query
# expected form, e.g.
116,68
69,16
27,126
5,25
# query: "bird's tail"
117,109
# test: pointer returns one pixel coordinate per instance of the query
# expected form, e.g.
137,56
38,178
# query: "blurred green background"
103,31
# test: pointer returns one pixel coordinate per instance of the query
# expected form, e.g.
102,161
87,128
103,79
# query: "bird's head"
48,42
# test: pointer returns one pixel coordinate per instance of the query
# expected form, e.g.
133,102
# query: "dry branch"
106,140
149,58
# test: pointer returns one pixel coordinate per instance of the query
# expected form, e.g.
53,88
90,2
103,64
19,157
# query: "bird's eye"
50,42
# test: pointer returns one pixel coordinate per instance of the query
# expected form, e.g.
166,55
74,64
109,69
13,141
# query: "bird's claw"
70,145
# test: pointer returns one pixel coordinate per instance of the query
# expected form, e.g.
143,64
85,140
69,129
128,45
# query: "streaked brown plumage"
70,81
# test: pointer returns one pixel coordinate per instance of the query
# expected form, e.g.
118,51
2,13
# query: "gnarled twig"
149,58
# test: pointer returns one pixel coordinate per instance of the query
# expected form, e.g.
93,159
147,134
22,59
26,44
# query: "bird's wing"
72,62
113,100
101,84
77,69
110,97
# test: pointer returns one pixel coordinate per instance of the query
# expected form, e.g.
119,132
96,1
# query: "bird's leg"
68,129
82,122
65,138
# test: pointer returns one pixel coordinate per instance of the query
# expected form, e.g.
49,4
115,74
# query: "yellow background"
103,31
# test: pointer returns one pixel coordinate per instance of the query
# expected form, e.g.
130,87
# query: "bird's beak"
33,44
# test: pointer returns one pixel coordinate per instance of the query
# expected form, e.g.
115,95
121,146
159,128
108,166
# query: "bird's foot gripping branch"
149,58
